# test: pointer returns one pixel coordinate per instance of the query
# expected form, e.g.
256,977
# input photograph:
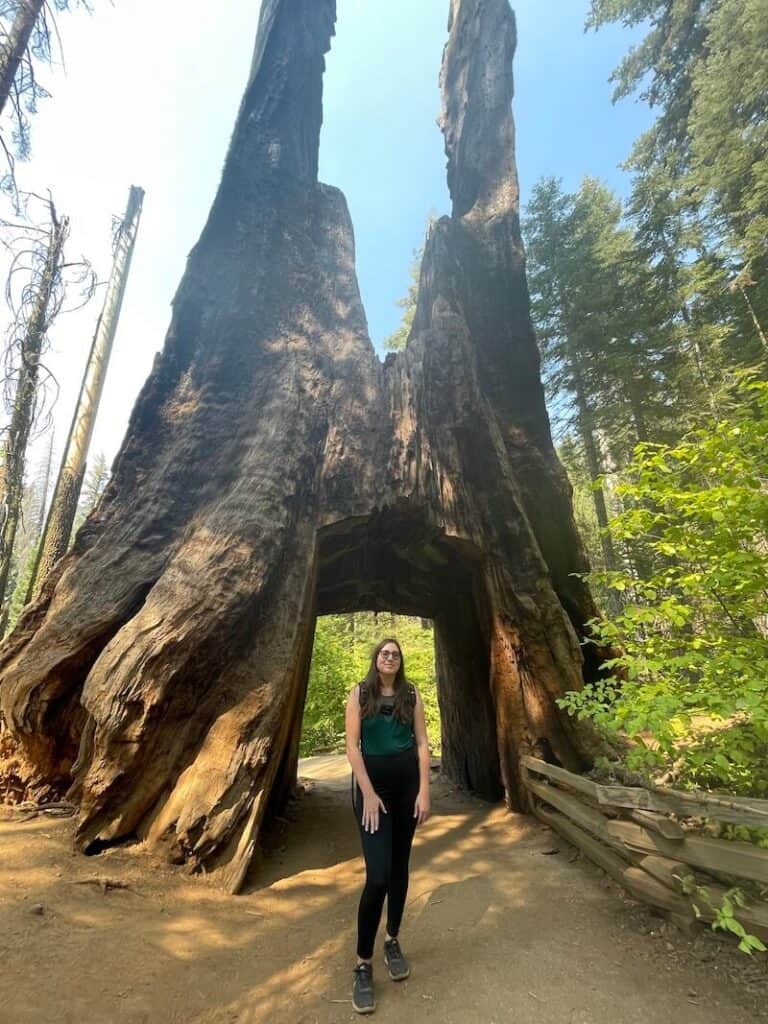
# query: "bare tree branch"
38,282
29,34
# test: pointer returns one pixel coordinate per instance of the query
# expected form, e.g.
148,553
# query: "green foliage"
33,507
724,914
329,684
396,341
571,456
690,688
745,834
21,583
728,122
646,316
601,318
607,342
341,657
701,171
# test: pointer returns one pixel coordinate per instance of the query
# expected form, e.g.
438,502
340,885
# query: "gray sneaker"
362,991
398,966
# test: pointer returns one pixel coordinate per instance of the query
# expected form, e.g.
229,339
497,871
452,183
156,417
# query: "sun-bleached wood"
733,809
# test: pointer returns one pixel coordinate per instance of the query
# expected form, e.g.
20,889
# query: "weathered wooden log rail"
634,834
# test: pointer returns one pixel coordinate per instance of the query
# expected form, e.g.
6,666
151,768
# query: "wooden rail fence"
635,835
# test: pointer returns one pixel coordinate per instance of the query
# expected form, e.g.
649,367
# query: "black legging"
395,778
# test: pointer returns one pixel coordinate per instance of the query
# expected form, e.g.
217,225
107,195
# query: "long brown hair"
370,688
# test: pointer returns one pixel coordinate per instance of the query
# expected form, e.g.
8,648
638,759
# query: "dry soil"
504,923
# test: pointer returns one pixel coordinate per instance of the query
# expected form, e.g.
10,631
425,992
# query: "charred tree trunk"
58,525
15,44
275,470
23,413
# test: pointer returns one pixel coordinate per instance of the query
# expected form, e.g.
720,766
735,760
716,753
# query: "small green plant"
745,834
724,914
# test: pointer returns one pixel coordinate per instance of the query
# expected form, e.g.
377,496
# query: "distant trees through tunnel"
341,657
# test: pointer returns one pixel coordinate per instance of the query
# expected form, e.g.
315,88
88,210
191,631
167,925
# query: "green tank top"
384,733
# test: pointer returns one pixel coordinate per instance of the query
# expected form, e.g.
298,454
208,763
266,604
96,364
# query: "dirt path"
498,928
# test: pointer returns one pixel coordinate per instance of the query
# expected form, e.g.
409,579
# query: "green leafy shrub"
724,912
690,690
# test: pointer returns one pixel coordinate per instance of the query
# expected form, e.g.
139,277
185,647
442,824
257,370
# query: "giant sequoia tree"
274,470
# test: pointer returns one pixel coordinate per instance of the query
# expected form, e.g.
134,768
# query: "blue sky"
149,98
381,145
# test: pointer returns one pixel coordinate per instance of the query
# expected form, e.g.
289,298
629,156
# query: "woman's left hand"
421,807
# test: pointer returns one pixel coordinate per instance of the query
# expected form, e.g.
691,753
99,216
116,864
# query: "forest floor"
504,923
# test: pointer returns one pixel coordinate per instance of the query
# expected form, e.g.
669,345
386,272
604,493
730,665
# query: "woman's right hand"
372,804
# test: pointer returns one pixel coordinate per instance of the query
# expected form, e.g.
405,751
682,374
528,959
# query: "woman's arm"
422,806
372,804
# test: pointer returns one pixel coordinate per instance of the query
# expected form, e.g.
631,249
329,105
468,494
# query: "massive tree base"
275,470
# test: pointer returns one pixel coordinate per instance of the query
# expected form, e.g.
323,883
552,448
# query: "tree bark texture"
274,470
61,516
15,44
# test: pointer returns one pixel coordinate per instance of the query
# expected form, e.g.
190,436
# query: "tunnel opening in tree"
341,656
159,677
395,561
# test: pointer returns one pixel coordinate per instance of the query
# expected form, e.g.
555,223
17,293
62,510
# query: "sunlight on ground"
175,950
327,767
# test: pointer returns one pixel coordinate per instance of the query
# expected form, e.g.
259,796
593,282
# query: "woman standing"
388,750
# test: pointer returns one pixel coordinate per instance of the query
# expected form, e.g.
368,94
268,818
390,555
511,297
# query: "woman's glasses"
389,655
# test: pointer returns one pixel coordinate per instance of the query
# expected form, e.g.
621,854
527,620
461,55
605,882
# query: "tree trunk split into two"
274,470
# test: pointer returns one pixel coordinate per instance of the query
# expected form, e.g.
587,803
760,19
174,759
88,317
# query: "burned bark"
274,470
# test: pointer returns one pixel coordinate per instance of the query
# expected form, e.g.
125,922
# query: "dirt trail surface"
499,927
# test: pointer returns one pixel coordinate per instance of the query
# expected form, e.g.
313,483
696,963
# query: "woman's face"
388,660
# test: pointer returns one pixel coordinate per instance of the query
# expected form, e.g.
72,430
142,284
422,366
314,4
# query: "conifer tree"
27,33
